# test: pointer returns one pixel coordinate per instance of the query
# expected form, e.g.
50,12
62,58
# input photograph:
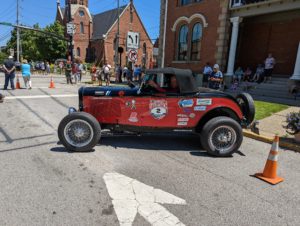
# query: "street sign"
155,51
71,28
132,55
133,40
130,197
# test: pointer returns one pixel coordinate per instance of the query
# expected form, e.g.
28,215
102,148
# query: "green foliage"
266,109
38,46
52,48
3,56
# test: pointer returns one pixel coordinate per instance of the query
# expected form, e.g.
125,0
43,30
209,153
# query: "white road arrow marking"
130,197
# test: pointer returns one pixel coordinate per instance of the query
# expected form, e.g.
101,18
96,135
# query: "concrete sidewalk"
274,124
270,126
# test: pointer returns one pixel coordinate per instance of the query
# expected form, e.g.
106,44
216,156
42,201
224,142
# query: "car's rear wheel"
246,103
221,136
79,131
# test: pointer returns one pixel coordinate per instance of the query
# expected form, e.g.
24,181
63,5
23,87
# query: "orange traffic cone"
270,172
52,86
18,85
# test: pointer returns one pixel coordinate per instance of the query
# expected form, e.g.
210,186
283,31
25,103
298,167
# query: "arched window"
144,48
78,51
81,28
81,13
196,42
183,43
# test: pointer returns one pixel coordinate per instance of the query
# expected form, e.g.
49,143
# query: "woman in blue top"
26,74
216,78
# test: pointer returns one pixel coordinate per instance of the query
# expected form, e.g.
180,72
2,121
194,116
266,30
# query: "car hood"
108,91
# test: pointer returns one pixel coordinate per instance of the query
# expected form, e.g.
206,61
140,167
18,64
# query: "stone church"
95,35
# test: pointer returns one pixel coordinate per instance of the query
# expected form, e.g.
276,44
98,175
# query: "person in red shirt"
93,72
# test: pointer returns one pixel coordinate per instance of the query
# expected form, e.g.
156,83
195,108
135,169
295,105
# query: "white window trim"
189,20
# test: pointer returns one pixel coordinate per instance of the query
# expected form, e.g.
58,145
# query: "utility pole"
71,35
117,37
18,31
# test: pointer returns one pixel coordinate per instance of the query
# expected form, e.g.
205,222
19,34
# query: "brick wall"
277,34
211,10
82,40
125,26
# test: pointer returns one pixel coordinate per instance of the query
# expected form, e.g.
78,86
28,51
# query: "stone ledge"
283,143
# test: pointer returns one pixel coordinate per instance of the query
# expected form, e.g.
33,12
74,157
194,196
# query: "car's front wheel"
221,136
79,131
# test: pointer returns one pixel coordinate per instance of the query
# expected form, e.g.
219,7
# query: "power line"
9,9
3,38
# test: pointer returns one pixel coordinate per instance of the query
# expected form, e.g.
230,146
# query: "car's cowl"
108,91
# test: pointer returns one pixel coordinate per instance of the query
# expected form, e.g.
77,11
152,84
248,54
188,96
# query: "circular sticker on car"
158,112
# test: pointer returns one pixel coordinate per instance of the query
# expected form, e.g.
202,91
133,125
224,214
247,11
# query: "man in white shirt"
269,66
206,73
106,71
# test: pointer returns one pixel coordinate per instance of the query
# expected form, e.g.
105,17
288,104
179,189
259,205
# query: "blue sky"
44,11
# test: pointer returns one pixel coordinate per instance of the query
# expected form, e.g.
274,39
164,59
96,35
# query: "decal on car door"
158,108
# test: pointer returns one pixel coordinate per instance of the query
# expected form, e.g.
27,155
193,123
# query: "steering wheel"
145,87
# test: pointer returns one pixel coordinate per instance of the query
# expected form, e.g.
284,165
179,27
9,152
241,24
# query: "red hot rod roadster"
166,101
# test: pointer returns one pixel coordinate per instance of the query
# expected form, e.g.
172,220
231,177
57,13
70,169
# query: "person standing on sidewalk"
68,72
269,66
106,71
81,69
61,66
25,67
47,68
216,78
207,70
9,71
76,72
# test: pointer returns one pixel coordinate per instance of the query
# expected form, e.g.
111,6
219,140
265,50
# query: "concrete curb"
269,140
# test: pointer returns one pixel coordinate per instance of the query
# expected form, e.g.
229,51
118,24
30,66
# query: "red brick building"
95,36
231,33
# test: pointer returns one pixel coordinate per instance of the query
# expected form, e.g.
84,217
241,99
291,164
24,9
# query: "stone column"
233,45
296,75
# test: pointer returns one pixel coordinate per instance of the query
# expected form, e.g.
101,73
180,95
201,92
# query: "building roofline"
109,30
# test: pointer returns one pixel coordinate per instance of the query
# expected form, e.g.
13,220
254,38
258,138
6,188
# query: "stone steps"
276,92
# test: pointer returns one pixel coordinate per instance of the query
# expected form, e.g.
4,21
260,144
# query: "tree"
3,56
28,48
39,46
52,48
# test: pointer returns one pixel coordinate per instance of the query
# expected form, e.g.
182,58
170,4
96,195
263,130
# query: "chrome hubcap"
78,133
223,138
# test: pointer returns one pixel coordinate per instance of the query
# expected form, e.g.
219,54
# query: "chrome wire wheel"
78,133
223,138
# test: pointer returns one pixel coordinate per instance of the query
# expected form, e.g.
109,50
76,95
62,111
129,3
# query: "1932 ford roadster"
217,117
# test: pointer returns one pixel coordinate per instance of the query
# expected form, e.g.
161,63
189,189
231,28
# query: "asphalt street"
43,184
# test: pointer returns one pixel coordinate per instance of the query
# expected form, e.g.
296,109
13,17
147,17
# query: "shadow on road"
151,142
64,150
158,142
